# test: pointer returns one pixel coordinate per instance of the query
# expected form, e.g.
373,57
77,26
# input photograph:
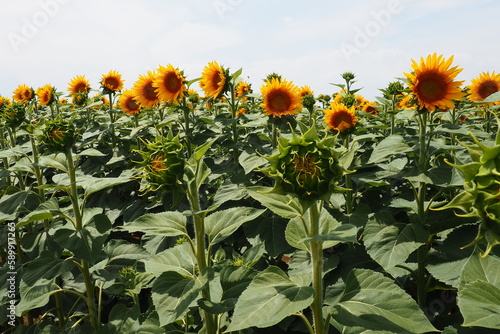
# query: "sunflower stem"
421,210
317,269
348,182
201,256
84,265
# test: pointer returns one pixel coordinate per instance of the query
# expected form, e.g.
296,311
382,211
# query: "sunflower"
145,92
169,84
243,88
46,95
213,80
339,117
111,82
128,104
305,90
23,94
280,97
79,84
483,86
432,82
4,101
406,102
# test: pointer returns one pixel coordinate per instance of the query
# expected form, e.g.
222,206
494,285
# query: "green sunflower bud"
163,163
481,195
306,166
308,102
59,135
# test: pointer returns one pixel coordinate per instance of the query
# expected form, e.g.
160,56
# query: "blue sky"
310,43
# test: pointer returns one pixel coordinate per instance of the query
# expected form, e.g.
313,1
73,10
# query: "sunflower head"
4,102
162,165
79,85
214,80
13,114
483,86
59,135
128,103
193,96
280,98
170,84
23,94
145,93
481,195
243,88
46,95
80,99
308,101
432,83
111,82
340,118
306,166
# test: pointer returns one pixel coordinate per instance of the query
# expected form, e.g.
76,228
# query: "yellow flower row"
431,86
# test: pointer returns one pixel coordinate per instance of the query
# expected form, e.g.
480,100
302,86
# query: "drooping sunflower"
23,94
46,95
111,82
128,104
483,86
78,85
432,82
214,80
169,84
144,91
339,117
280,97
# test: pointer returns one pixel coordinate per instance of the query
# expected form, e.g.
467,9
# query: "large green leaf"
389,242
46,210
9,205
268,299
389,147
86,243
283,205
179,259
173,294
34,296
45,266
94,184
250,161
169,224
479,302
221,224
374,302
479,291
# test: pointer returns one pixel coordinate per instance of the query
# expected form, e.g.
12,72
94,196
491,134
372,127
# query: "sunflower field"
204,205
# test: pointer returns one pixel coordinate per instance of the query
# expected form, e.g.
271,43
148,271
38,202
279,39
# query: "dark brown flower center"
487,88
431,87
